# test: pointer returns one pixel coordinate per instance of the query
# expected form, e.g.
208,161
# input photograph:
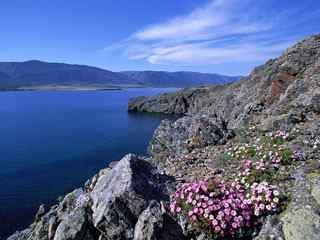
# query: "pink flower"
231,205
234,225
217,229
201,211
227,211
223,225
256,212
195,210
193,218
214,222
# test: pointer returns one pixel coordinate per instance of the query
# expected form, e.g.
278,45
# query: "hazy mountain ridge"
38,73
161,78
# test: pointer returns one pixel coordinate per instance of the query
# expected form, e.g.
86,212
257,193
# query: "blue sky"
222,36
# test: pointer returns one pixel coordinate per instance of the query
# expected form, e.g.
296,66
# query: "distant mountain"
177,79
37,73
4,81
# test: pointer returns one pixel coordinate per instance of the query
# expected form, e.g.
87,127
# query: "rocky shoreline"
275,109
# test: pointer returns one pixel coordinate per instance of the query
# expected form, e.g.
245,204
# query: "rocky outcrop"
124,203
170,103
282,94
154,224
187,133
271,88
302,220
121,196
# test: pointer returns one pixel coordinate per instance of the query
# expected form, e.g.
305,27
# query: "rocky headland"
242,163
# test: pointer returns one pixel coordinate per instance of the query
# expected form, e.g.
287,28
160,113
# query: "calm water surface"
52,142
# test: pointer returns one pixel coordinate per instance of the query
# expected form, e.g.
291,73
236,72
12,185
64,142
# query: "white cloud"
201,54
221,31
197,22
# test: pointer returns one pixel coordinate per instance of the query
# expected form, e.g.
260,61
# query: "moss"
300,224
223,160
314,175
314,178
241,135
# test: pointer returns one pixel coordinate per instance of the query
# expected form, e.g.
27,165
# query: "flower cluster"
227,208
264,197
280,134
223,208
266,151
215,205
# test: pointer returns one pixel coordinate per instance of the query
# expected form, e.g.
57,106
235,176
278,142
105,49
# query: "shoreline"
78,88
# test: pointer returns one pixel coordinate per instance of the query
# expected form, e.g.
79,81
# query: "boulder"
150,223
73,227
283,121
301,219
271,230
188,133
155,224
123,194
301,224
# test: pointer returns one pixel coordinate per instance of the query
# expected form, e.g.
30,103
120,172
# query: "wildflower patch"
232,208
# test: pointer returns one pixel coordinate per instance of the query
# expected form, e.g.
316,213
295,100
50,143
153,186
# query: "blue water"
52,142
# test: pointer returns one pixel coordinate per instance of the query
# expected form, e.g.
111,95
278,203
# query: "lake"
52,142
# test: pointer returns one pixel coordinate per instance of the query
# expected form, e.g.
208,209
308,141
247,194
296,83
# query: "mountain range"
37,74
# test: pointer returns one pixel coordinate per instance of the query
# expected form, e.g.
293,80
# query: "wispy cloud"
221,31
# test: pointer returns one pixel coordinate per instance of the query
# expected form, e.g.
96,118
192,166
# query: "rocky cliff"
272,87
243,163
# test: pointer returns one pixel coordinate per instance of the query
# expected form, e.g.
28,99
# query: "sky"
217,36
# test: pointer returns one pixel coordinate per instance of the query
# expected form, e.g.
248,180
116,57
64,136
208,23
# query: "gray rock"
301,219
188,133
121,196
40,213
154,224
269,88
90,183
284,121
169,103
271,230
73,227
301,224
150,223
